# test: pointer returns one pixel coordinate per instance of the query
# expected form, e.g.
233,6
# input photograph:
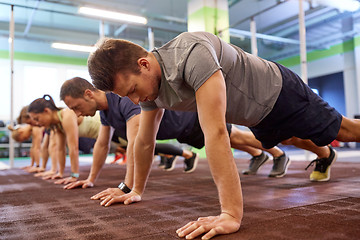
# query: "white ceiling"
39,23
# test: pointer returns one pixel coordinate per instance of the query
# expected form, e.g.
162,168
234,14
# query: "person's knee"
289,141
349,130
237,139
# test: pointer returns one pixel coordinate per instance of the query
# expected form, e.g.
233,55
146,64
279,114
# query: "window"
71,73
39,81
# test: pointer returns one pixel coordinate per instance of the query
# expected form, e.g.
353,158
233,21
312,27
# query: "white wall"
321,67
32,80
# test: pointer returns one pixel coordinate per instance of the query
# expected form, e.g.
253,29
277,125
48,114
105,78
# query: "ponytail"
39,105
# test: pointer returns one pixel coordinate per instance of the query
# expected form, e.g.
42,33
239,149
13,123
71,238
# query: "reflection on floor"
287,208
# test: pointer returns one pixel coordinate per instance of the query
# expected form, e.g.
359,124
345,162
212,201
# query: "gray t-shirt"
252,83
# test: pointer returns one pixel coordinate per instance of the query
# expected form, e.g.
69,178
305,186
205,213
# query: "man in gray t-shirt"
200,72
181,79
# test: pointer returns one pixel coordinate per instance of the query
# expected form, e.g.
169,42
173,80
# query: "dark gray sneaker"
191,163
280,166
255,163
170,163
162,162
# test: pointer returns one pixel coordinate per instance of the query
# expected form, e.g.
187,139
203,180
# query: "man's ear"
143,63
88,93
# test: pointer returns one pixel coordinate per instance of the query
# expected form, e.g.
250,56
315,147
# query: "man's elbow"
217,133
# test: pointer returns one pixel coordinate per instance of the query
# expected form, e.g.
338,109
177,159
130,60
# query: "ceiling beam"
243,33
28,25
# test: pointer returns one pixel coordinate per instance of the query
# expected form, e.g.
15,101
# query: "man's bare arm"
100,152
211,105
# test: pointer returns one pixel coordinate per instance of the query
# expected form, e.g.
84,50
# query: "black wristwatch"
124,188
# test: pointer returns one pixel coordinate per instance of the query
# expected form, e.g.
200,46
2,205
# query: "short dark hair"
75,88
111,57
23,115
39,104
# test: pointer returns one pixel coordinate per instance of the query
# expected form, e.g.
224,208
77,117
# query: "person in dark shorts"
200,72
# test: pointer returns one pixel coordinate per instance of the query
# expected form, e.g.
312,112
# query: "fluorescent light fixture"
343,5
73,47
103,14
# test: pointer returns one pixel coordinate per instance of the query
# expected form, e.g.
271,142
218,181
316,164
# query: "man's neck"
101,100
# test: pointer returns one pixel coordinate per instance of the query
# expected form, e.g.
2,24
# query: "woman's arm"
60,146
37,135
45,150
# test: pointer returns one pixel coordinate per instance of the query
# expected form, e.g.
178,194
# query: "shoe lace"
252,161
320,166
312,163
277,161
322,163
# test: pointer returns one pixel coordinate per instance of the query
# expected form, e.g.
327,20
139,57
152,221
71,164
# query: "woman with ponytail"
64,124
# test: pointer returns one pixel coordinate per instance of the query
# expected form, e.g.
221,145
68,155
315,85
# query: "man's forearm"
225,175
143,160
99,157
129,176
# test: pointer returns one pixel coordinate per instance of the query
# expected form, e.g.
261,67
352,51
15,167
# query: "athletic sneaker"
170,163
322,169
119,156
255,163
280,166
191,163
162,162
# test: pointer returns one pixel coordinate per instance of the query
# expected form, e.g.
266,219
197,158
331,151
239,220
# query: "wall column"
351,74
209,16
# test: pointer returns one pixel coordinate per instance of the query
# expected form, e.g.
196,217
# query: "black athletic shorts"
298,112
196,136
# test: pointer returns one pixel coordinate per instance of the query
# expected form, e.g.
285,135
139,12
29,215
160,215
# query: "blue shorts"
298,112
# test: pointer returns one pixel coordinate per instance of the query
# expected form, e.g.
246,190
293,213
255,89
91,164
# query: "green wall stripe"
357,41
44,58
4,54
337,49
